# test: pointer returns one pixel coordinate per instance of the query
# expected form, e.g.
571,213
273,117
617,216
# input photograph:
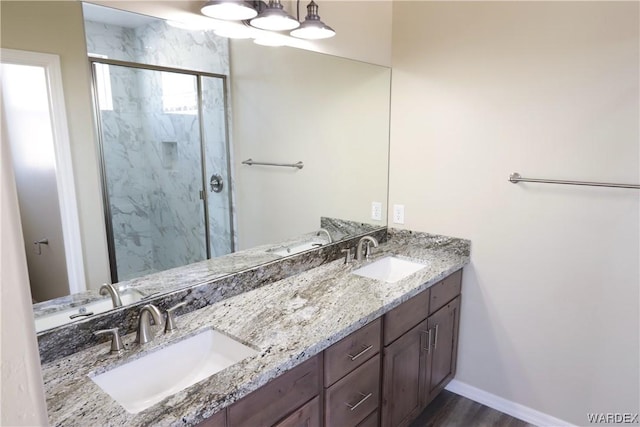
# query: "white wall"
549,89
330,113
56,27
22,396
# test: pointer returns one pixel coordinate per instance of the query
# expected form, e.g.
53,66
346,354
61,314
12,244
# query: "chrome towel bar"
250,162
516,178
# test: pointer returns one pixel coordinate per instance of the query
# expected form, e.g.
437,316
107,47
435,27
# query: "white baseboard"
508,407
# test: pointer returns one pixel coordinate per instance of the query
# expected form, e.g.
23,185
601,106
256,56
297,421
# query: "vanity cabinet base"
384,374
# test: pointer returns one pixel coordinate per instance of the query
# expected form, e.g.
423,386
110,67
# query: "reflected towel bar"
250,162
516,178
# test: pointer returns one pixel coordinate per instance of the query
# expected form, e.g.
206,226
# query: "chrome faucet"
144,336
364,250
108,288
324,230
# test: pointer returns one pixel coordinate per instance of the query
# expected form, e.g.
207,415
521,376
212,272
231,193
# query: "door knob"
216,183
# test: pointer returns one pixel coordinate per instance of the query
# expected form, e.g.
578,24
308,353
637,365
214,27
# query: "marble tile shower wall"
153,158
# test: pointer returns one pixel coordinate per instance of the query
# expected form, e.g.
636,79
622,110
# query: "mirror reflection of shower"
163,135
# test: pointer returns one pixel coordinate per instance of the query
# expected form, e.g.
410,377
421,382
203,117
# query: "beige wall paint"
330,113
549,89
363,27
56,27
21,394
50,27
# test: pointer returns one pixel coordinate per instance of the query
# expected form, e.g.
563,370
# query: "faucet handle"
116,341
348,255
170,324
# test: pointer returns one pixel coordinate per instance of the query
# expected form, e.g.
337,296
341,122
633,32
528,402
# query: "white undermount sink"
390,269
71,314
143,382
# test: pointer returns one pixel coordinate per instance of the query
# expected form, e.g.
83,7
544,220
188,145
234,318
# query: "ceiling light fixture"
270,17
229,10
313,28
274,18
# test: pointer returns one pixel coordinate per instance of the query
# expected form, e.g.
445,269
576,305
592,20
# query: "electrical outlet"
376,211
398,214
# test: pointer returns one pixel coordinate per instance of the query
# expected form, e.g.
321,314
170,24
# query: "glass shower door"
152,168
216,162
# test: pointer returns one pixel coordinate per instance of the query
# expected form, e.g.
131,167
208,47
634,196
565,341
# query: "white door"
29,129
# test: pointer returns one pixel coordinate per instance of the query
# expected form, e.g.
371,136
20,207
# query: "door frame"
64,164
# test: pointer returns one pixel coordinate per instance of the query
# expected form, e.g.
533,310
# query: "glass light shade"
313,28
229,10
274,18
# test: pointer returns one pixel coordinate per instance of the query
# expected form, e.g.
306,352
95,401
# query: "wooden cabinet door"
443,352
404,377
279,397
217,420
306,416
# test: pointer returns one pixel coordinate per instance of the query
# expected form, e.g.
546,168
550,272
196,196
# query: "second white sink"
389,269
296,248
143,382
68,315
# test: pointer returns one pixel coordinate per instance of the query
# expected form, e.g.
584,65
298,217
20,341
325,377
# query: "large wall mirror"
181,115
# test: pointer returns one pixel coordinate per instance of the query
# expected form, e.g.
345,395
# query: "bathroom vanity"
411,352
331,347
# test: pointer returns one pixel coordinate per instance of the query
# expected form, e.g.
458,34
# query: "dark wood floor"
452,410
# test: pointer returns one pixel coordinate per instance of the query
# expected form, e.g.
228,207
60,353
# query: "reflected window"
179,94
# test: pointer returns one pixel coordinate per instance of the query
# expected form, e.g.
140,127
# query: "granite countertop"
288,321
207,270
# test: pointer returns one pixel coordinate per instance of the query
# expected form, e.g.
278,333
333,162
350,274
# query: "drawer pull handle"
435,341
361,353
428,347
365,397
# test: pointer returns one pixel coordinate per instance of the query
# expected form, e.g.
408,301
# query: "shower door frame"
204,195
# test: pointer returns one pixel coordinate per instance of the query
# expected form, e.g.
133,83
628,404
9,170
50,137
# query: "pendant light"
230,10
313,28
274,18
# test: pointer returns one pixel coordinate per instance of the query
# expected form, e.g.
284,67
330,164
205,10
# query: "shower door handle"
216,183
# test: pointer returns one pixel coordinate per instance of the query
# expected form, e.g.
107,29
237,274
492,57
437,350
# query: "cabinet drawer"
351,352
445,291
351,399
278,398
405,316
306,416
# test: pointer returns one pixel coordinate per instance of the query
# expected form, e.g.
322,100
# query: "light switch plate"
376,211
398,214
